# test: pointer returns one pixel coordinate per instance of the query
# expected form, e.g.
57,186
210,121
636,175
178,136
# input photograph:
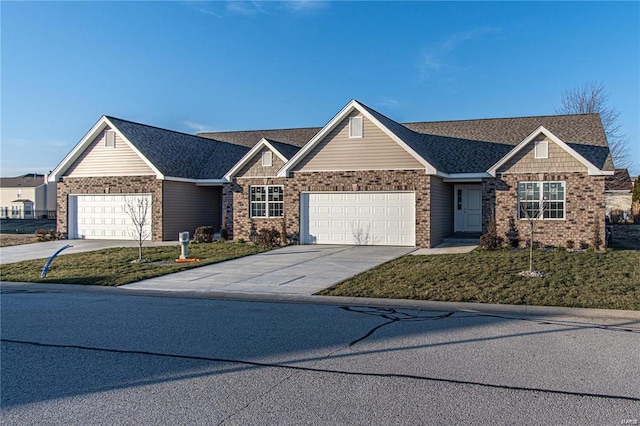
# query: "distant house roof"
178,154
30,180
464,146
620,181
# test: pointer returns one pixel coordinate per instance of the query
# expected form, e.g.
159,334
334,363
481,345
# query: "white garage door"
361,218
104,217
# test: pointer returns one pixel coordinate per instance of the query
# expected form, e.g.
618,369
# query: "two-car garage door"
361,218
104,217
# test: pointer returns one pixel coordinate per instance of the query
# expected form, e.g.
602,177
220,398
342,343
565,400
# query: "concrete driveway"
289,270
19,253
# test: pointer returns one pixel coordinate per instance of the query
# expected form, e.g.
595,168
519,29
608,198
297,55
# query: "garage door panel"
104,216
367,218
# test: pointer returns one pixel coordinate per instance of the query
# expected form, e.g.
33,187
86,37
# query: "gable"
558,159
374,151
100,160
254,167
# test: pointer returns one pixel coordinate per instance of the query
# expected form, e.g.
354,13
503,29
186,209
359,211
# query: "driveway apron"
289,270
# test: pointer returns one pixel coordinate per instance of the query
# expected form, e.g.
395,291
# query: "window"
267,201
542,149
541,200
356,127
267,159
110,139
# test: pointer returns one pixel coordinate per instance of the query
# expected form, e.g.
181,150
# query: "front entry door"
468,208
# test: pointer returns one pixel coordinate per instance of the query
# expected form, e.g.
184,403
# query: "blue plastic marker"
46,265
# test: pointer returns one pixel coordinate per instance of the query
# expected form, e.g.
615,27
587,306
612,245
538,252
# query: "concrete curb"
481,308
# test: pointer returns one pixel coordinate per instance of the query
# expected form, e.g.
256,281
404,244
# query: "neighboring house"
29,196
618,189
366,179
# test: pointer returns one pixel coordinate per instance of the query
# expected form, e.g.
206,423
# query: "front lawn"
113,267
588,280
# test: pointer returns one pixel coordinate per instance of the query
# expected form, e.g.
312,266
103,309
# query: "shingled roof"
463,146
181,155
30,180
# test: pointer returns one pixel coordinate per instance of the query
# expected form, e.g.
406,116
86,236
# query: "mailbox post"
183,237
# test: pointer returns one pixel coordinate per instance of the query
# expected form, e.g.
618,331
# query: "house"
361,179
618,188
29,196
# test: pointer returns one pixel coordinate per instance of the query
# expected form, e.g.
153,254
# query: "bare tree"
137,208
593,97
532,211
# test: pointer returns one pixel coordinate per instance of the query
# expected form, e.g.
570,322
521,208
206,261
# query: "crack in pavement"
327,371
390,314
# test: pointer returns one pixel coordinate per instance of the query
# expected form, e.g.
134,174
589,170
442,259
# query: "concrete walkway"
447,248
289,270
19,253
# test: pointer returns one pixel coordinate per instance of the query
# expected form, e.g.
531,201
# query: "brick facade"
584,208
236,197
112,185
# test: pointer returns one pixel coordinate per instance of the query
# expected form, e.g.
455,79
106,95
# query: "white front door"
468,208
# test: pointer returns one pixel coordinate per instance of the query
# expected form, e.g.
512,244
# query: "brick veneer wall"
409,180
112,185
584,207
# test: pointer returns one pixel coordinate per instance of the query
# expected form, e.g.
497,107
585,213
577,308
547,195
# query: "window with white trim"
266,200
110,139
541,149
541,200
356,127
267,159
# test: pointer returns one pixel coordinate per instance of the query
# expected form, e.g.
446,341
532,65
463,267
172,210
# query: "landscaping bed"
114,267
608,280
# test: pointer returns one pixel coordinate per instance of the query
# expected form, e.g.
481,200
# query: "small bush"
570,244
49,235
268,237
597,237
224,234
616,216
513,235
203,234
561,249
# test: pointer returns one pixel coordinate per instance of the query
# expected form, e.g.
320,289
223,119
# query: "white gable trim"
593,170
249,155
350,107
84,143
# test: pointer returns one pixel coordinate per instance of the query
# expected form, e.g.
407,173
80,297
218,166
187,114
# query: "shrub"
616,216
203,234
491,240
49,235
597,237
224,234
570,244
513,235
268,237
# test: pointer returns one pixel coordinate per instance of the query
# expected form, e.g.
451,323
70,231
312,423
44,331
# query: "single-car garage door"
104,217
361,218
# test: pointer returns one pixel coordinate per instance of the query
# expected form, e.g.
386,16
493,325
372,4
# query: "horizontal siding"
187,206
559,161
375,151
254,167
98,160
441,210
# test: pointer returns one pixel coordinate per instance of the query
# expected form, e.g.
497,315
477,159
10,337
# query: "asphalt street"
101,358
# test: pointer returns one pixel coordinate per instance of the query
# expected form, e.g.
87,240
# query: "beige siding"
187,206
7,195
559,160
441,210
375,151
98,160
254,167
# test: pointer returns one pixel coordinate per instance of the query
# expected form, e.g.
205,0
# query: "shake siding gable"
98,160
558,160
254,167
374,151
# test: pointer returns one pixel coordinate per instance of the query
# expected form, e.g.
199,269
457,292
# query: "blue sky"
196,66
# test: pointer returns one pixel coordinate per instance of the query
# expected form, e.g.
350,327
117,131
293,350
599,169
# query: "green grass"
609,280
113,267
